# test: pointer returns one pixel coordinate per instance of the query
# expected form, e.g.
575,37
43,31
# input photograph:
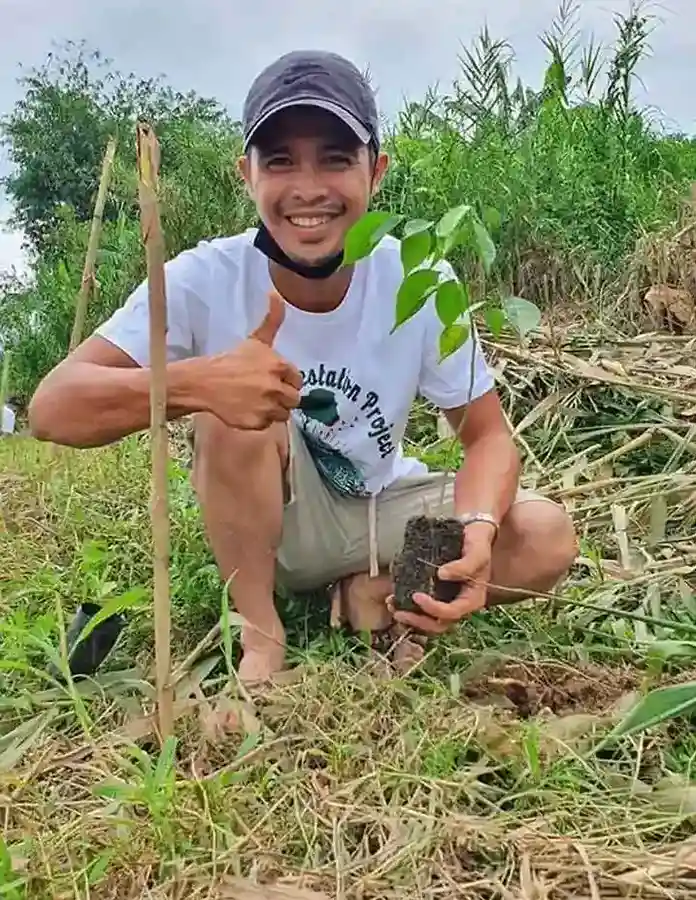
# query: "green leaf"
460,237
97,868
495,319
656,707
413,293
366,233
451,301
15,744
521,314
453,337
414,249
11,888
451,221
112,790
249,744
416,226
491,218
664,650
166,760
112,607
485,245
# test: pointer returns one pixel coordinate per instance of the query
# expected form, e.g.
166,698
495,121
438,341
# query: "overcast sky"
215,47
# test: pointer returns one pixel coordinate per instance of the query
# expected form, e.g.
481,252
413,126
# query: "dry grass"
477,776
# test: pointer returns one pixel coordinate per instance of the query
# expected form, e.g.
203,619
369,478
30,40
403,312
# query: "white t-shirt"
360,380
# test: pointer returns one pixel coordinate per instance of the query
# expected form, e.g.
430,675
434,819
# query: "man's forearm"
89,405
488,478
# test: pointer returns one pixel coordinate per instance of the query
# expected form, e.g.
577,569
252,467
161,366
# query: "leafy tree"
57,133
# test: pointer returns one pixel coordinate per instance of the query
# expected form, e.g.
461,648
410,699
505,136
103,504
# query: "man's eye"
274,162
338,159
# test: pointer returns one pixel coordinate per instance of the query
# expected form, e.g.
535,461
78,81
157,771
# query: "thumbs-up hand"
270,326
251,386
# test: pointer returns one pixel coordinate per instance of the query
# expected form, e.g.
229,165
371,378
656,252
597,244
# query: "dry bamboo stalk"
573,366
675,482
540,410
613,455
95,233
682,441
575,462
148,177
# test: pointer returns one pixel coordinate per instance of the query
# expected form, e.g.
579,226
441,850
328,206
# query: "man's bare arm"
98,395
489,476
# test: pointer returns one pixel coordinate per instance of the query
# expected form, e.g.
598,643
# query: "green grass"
473,775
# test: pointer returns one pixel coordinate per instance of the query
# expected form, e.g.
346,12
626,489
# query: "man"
301,391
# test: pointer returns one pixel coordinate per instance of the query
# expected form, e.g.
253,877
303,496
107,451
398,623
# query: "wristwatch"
469,518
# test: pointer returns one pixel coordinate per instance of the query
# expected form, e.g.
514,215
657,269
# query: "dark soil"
557,687
429,543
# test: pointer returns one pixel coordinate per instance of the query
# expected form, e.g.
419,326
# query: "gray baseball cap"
313,78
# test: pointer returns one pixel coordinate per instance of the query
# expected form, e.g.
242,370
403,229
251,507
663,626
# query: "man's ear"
380,170
244,170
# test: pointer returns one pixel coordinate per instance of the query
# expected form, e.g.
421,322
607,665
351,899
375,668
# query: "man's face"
310,179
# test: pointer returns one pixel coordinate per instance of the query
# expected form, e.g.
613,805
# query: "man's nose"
308,185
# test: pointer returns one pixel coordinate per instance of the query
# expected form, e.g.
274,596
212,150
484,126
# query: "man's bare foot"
399,647
263,656
408,654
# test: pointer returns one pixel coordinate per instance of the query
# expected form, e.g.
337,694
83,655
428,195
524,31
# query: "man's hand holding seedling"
472,571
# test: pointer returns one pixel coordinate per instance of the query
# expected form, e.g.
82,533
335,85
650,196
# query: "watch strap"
469,518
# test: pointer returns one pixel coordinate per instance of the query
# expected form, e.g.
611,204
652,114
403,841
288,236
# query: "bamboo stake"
87,283
148,178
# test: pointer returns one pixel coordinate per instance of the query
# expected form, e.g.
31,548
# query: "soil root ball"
429,542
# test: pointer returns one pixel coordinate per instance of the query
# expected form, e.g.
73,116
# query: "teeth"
309,222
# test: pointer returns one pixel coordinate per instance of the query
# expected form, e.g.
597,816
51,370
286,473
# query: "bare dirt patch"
537,687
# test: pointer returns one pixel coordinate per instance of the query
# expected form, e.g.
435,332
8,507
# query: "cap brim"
347,118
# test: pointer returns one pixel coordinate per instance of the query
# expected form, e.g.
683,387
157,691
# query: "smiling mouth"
311,221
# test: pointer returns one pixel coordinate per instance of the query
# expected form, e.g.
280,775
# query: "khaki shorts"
327,536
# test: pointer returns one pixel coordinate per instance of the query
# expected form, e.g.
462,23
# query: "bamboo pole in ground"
148,180
87,284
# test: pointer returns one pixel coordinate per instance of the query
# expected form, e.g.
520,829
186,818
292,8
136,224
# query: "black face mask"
265,242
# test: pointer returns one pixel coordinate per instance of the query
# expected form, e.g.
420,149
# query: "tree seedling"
425,246
431,541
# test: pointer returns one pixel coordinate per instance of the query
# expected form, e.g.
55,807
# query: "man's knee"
541,538
224,454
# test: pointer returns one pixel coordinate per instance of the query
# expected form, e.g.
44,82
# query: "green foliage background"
566,177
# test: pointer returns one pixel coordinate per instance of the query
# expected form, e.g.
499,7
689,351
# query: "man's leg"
268,515
535,548
270,519
239,480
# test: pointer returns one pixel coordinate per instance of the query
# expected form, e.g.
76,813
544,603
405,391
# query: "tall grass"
571,174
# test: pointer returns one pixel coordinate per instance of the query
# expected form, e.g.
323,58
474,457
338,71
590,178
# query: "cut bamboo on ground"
148,179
